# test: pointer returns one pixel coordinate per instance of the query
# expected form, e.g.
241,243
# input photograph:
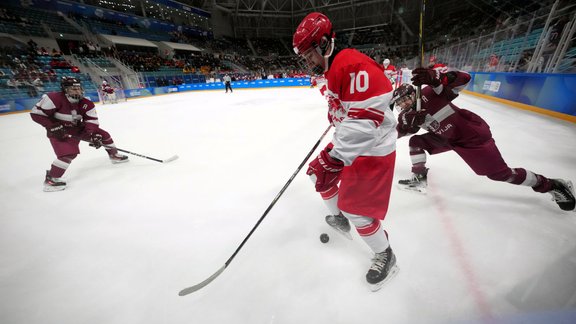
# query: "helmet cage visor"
311,60
74,92
404,97
405,102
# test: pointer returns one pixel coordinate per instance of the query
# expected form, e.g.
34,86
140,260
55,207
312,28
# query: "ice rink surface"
118,244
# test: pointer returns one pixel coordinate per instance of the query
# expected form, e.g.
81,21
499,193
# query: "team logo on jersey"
431,124
336,112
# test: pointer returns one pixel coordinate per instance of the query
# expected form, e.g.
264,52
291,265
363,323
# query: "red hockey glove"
95,141
422,76
326,169
56,131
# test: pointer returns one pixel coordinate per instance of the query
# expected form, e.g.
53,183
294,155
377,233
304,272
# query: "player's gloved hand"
422,76
326,169
56,131
95,141
410,120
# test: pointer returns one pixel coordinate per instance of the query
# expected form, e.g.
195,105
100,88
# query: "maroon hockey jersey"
459,126
54,107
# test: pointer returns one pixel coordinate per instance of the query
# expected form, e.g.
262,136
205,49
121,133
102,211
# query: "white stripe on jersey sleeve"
353,138
45,103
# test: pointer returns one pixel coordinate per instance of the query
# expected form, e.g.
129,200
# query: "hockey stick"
194,288
170,159
420,53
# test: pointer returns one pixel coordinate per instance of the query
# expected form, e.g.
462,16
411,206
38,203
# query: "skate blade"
422,191
53,188
393,271
119,161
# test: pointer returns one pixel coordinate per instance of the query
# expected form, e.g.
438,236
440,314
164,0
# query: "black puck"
324,238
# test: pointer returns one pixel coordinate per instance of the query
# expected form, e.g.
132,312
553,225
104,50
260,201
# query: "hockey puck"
324,238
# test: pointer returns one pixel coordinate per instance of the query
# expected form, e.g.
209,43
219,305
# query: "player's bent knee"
359,221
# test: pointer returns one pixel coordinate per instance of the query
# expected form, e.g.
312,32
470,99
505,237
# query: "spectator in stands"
13,83
42,52
19,64
32,45
52,75
56,53
30,89
75,69
91,49
492,64
38,84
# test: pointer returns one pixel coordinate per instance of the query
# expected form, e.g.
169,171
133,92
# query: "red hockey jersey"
358,95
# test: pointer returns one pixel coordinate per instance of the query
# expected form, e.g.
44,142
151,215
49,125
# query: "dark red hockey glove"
422,76
326,169
95,141
410,120
56,131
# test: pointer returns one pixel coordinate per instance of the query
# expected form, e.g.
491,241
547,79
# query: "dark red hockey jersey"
457,125
54,107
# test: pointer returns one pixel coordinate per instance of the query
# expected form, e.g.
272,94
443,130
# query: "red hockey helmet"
314,36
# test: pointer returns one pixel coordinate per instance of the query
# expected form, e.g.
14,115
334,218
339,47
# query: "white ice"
122,240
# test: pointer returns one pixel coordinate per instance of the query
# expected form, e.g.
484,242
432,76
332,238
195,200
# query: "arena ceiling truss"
279,18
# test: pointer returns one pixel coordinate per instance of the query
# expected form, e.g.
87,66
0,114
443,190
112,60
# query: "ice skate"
382,270
418,183
53,184
118,158
563,194
340,224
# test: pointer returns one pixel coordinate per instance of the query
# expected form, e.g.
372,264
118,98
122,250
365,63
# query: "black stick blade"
189,290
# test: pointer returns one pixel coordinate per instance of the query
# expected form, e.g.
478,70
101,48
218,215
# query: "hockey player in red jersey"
354,173
108,93
69,117
390,71
106,88
452,128
435,64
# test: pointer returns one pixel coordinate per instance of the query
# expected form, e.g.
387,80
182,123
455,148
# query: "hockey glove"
422,76
95,141
326,169
410,120
56,131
